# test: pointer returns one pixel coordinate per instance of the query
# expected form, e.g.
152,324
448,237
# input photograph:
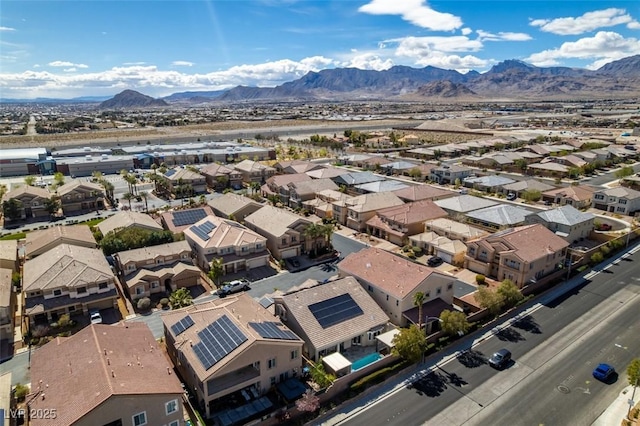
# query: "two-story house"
157,269
566,221
307,190
578,196
9,254
322,204
618,200
185,182
67,280
219,176
30,200
41,241
278,186
252,171
7,306
240,248
77,196
396,224
230,348
126,220
393,281
104,375
449,173
331,317
362,208
285,232
234,206
523,254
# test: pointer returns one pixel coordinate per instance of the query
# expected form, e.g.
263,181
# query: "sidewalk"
617,411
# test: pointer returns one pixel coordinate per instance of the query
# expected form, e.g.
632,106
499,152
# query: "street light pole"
633,396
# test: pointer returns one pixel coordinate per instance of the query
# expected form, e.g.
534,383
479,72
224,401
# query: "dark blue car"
603,372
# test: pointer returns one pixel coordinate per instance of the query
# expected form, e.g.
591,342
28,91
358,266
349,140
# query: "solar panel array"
179,327
234,224
335,310
218,340
188,217
170,173
202,230
270,330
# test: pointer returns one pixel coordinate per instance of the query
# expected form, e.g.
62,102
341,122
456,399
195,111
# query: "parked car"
603,372
95,317
232,287
434,261
295,263
500,359
604,227
512,196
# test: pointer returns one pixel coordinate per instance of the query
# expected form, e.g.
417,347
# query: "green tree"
313,231
320,376
180,298
418,300
415,173
510,293
490,300
145,196
531,195
624,172
52,205
30,180
410,343
575,172
3,190
457,183
255,187
127,196
216,269
12,209
597,257
454,322
58,180
633,372
521,164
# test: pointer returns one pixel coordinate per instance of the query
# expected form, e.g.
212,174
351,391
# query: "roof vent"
368,265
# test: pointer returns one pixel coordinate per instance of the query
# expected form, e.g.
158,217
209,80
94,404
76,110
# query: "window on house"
273,380
175,423
370,288
427,295
294,354
155,284
622,201
140,419
72,308
139,290
397,303
102,286
271,363
284,241
57,292
439,290
620,209
449,286
171,406
81,290
258,246
294,239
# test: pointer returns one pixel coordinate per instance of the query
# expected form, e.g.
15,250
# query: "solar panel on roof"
179,327
188,217
207,226
170,173
335,310
270,330
217,340
200,233
234,224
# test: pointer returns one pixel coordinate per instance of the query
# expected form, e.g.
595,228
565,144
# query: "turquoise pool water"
363,362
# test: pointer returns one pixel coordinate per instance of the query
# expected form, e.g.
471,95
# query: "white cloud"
462,64
604,47
366,61
416,12
72,69
182,64
635,25
416,47
502,36
590,21
466,31
133,63
7,29
66,64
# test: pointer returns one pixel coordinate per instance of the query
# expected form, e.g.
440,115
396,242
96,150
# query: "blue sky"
86,47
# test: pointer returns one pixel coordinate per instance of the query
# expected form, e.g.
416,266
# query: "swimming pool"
364,361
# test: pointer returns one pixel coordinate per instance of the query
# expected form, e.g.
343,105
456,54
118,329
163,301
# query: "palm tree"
418,300
52,205
255,186
128,196
327,231
145,196
180,298
30,180
312,231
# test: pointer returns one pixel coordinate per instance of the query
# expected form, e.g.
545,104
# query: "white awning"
336,362
387,338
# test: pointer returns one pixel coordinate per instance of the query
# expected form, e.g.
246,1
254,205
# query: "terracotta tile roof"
284,180
75,235
226,233
231,203
410,213
297,304
78,373
215,169
151,252
167,218
313,186
126,219
77,183
392,274
422,192
241,309
374,201
529,242
66,266
275,221
574,192
26,190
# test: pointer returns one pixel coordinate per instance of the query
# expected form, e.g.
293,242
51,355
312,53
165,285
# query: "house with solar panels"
157,269
230,352
179,220
337,316
240,248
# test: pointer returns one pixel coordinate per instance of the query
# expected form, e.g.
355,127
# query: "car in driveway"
235,286
95,317
434,261
604,372
500,359
512,196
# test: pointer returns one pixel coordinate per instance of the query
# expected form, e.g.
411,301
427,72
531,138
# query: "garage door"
445,256
290,252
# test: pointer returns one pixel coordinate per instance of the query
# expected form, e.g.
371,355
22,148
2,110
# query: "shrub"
411,255
164,302
480,279
417,250
406,248
144,304
21,391
64,321
596,257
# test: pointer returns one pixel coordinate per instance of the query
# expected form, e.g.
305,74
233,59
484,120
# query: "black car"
435,261
500,359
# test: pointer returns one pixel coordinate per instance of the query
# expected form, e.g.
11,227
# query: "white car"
95,316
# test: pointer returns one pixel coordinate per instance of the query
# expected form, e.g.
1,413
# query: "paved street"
555,347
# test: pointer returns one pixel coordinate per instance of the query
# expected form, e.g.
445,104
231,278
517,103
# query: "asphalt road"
554,350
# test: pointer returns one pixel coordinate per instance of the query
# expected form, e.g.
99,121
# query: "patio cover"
387,338
291,389
336,362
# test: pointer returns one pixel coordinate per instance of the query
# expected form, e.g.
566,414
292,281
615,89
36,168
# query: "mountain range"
509,80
